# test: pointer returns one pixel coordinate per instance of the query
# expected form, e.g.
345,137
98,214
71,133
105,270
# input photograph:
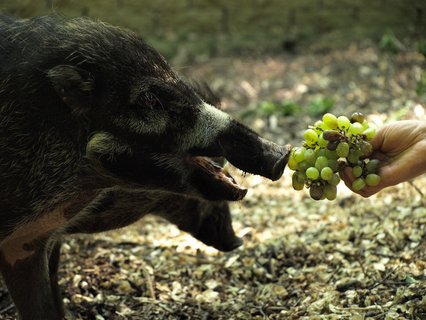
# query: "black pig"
96,130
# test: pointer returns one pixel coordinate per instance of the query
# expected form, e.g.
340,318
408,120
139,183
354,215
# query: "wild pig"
64,84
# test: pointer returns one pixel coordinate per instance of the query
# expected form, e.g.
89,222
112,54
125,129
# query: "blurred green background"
188,30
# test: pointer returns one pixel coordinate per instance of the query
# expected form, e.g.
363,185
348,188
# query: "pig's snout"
274,160
251,153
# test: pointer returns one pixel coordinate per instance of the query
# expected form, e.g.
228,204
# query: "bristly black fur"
96,131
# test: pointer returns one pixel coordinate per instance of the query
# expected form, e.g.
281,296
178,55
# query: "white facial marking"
157,124
210,123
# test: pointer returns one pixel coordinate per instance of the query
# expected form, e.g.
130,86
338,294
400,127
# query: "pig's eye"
149,100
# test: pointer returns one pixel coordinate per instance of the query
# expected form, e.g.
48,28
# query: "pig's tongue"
214,182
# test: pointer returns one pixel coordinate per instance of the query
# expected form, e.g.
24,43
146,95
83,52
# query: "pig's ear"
74,86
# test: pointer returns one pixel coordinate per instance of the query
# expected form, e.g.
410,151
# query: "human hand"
401,148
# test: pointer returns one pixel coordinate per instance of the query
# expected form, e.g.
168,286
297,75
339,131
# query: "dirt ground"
352,258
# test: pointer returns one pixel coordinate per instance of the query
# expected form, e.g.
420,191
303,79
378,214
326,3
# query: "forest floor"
352,258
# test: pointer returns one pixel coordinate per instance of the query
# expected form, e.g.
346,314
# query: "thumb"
378,139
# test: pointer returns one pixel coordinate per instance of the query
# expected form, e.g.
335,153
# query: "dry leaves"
353,258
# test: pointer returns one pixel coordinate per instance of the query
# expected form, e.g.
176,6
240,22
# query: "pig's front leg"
54,253
29,284
208,221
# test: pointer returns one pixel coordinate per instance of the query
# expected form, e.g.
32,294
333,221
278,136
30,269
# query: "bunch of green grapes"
330,145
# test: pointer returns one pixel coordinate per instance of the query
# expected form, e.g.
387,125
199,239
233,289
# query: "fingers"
399,146
377,141
348,179
396,137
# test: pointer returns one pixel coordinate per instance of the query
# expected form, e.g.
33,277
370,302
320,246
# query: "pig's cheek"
209,124
21,244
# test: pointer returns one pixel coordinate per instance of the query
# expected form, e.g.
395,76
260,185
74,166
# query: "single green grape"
356,128
342,149
299,153
330,120
297,186
333,164
319,126
343,123
310,136
365,124
302,166
316,192
320,152
310,156
330,191
353,156
312,173
366,148
292,163
373,166
321,163
372,179
369,133
358,184
326,173
357,117
300,176
331,154
298,180
357,171
335,180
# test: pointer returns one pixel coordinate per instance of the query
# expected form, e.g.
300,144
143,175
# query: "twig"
260,309
277,308
333,274
416,188
149,282
297,302
362,266
384,279
162,305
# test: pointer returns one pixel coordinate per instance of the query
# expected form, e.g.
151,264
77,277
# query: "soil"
352,258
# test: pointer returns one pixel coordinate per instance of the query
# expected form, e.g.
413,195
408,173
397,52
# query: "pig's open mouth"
213,181
191,172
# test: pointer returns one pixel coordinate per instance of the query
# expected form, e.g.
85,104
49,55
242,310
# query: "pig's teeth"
216,165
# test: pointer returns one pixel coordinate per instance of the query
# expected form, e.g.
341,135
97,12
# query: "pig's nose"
281,162
276,160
